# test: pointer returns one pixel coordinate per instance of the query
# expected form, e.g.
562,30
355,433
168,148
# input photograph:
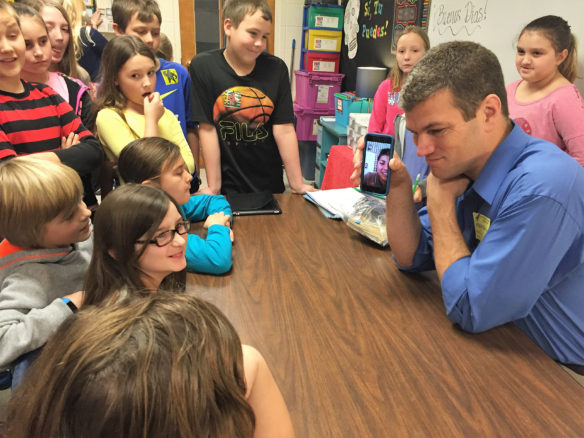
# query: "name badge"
481,224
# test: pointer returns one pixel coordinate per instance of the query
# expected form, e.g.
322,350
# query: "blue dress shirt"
529,265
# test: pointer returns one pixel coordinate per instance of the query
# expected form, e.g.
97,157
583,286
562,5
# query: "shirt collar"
499,164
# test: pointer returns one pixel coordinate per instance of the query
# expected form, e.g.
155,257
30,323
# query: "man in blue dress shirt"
504,223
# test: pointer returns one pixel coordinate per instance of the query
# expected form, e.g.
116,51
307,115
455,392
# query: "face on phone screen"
375,171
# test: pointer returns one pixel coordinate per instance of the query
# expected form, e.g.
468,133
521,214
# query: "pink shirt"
557,117
385,109
57,83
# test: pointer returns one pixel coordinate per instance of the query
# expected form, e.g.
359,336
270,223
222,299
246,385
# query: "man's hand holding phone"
375,172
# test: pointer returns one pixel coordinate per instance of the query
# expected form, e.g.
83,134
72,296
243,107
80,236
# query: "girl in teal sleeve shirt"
156,161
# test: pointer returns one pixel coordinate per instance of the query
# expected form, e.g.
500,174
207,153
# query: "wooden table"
360,349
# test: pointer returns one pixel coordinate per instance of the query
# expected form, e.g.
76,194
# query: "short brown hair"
236,10
123,10
470,71
166,365
33,192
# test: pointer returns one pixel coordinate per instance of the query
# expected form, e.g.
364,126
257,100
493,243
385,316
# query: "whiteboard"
496,24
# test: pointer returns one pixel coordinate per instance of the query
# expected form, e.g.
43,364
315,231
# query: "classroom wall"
171,24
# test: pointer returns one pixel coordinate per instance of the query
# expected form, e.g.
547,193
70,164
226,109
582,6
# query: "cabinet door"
201,25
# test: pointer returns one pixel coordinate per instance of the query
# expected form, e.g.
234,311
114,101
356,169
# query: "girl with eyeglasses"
157,162
139,245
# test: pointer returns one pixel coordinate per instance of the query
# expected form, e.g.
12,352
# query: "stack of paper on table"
363,213
337,203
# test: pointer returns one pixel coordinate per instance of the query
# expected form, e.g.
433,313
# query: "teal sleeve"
201,206
211,255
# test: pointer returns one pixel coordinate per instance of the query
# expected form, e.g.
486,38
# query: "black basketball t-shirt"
244,110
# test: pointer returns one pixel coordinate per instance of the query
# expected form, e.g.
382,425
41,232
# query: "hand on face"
153,107
440,190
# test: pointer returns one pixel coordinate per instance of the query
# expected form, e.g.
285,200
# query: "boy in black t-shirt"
243,103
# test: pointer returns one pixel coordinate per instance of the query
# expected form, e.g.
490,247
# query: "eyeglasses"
166,237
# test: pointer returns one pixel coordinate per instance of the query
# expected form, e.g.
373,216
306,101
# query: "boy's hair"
166,365
165,48
396,75
130,213
237,10
558,32
115,54
68,64
33,192
123,10
147,158
470,71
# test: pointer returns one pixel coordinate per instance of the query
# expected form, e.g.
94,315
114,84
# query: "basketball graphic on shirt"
243,105
523,124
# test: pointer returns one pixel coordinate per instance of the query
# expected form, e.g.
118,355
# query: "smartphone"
377,152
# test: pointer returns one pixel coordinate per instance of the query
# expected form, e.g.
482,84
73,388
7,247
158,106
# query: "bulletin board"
496,24
369,32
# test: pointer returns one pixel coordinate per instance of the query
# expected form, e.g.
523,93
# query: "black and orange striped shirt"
35,121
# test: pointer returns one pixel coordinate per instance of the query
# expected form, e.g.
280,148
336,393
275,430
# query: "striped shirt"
35,121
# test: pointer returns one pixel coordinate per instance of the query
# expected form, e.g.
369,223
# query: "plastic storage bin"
347,103
317,90
323,40
307,121
321,62
330,17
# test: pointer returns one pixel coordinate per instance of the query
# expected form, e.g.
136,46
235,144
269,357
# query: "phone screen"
375,172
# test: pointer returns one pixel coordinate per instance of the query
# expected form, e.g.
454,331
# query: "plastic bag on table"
368,219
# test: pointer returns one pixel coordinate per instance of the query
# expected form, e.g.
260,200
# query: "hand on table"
219,218
302,189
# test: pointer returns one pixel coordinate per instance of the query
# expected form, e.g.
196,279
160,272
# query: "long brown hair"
147,158
558,32
396,75
124,216
166,365
115,54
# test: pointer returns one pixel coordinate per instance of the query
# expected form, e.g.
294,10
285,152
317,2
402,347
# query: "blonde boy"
45,253
243,104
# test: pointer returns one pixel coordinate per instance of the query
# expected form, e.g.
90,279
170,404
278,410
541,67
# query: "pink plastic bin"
317,90
307,120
